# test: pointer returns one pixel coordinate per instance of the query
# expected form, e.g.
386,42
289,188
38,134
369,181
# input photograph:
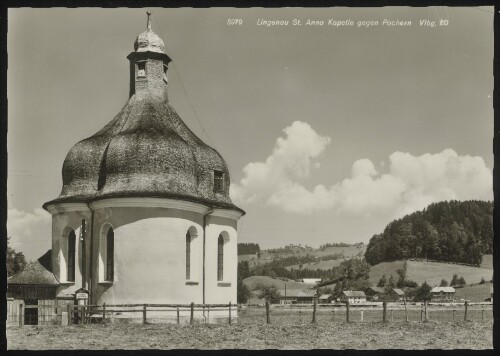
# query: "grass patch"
323,335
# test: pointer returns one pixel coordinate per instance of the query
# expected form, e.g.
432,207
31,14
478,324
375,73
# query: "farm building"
374,293
297,296
442,294
325,298
353,296
35,285
396,294
310,280
144,214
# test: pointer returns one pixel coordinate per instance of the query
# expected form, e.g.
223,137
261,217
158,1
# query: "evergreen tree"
461,282
243,293
423,293
444,283
382,281
270,294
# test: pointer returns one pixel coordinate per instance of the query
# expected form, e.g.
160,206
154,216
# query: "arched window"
70,270
110,252
188,255
220,258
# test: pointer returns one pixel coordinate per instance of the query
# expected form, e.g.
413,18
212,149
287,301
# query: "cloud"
291,160
28,230
410,182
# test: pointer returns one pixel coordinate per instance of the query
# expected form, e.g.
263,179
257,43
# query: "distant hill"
447,231
323,265
475,293
430,272
254,282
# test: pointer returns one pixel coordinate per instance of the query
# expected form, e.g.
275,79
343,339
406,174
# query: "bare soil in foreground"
323,335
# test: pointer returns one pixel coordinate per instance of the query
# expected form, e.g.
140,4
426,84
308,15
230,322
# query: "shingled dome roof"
145,151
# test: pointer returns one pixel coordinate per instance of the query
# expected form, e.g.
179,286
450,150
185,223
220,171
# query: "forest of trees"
248,248
447,231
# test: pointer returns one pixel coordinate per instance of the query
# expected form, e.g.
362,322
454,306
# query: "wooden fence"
384,312
69,314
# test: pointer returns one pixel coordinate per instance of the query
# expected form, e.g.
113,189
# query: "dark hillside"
447,231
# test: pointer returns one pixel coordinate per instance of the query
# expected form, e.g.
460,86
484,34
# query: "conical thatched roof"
35,273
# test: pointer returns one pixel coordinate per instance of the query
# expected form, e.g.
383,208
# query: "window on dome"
70,271
218,181
141,69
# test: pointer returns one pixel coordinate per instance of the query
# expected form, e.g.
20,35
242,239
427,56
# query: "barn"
34,286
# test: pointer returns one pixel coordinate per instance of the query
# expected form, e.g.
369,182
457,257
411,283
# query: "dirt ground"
332,335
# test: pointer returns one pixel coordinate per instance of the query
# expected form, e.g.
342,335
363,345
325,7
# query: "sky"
330,132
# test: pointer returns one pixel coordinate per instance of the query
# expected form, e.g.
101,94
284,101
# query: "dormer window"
218,182
141,69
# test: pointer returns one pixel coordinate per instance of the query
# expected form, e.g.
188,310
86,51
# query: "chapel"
144,214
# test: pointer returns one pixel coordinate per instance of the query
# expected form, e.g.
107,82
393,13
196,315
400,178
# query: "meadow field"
283,335
432,272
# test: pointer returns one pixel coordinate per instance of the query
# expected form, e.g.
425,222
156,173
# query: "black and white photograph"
250,178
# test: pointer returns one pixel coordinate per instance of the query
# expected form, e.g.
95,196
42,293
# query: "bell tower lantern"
149,64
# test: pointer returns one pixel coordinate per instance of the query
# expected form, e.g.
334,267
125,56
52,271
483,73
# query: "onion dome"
146,150
149,41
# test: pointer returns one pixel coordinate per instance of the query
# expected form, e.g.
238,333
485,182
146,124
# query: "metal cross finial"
149,19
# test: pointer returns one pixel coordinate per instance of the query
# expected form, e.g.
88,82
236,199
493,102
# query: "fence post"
229,313
178,316
192,313
361,316
466,307
453,314
347,311
70,314
21,320
144,314
314,310
426,317
422,313
482,313
406,311
333,313
384,311
103,312
392,314
267,312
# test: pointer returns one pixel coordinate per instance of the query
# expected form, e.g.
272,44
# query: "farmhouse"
35,285
297,296
144,214
353,297
374,293
325,298
442,294
396,294
311,280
